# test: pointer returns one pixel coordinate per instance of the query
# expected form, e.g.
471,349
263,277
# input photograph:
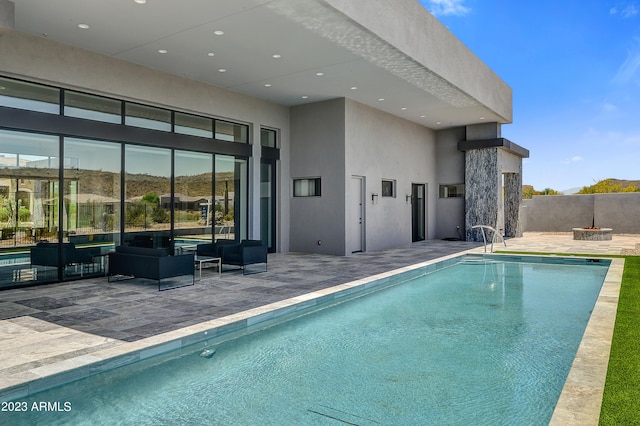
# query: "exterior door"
418,231
356,215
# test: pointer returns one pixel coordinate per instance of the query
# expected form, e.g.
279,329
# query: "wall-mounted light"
408,198
374,198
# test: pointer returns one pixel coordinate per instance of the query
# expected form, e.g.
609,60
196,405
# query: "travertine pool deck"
54,328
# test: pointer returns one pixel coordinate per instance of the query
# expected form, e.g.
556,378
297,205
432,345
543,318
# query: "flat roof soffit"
333,25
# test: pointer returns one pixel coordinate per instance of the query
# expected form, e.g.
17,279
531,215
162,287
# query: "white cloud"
574,159
607,107
628,11
447,7
630,66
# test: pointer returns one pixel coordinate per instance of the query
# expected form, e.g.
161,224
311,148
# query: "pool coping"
579,402
581,397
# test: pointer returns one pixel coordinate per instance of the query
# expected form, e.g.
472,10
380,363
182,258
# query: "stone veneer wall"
486,201
513,195
482,187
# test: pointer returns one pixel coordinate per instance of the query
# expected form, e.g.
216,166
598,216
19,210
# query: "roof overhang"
393,56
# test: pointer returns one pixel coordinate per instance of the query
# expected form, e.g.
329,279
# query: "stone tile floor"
52,328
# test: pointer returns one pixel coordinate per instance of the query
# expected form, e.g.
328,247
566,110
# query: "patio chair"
213,249
248,252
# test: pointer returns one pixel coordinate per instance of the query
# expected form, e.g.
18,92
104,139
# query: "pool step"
341,416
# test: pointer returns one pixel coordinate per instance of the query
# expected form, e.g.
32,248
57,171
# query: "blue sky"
574,67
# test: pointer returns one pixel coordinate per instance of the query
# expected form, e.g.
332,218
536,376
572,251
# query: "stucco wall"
318,150
382,146
561,213
450,171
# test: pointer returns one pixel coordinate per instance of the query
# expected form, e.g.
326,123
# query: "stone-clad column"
513,197
482,190
487,202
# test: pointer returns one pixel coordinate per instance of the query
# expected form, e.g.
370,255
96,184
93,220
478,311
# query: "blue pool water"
481,342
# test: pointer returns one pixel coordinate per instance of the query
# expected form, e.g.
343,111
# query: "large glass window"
147,214
91,202
29,196
188,124
194,211
33,97
92,107
232,132
147,117
230,197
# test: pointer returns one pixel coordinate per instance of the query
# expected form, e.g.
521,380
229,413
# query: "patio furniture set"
133,261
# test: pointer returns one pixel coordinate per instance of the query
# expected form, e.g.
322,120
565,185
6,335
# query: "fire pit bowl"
592,234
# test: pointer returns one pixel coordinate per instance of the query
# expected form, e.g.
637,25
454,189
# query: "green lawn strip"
622,389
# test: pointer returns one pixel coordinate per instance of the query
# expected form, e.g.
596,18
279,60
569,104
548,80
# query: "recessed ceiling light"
354,88
83,26
140,1
2,88
267,85
422,116
218,32
305,97
481,118
162,51
276,56
437,122
380,99
211,54
319,74
222,70
404,108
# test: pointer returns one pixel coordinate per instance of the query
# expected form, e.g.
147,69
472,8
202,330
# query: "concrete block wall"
561,213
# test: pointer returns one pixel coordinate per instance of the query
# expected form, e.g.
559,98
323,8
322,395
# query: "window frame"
312,182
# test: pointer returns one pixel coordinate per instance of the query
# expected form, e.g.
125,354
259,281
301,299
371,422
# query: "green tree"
528,191
609,185
151,198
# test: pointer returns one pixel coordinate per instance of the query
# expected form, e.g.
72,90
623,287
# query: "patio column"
493,184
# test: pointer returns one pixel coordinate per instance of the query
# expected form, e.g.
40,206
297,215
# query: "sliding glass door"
230,207
194,213
29,214
147,198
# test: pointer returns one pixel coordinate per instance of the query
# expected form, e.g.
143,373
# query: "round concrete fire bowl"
592,234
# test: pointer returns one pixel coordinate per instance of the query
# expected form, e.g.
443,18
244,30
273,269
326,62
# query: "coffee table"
207,259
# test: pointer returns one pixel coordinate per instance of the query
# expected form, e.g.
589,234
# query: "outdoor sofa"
154,264
46,254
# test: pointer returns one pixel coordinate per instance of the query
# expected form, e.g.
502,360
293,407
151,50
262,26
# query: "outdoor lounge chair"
213,249
247,252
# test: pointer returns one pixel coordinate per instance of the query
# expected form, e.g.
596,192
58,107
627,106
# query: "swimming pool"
472,341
